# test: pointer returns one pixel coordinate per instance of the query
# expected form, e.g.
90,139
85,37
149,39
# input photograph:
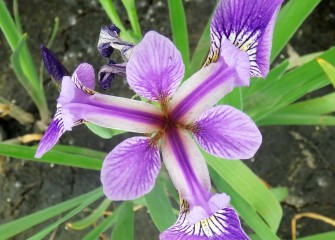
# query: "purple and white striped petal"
131,169
224,224
109,40
155,68
248,25
226,132
52,134
186,166
79,102
107,73
206,87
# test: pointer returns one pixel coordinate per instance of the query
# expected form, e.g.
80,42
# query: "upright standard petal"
249,25
108,72
224,224
131,169
186,166
155,68
206,87
228,133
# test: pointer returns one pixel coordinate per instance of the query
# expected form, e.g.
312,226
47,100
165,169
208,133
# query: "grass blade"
92,218
329,70
250,188
179,30
159,206
15,227
124,227
245,210
291,16
95,195
53,156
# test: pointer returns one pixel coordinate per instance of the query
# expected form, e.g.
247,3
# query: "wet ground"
300,158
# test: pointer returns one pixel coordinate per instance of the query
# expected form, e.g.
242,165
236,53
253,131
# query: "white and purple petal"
206,87
155,68
249,26
223,224
107,73
131,169
109,40
226,132
186,166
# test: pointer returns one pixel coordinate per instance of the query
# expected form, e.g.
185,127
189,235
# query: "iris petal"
249,26
228,133
224,224
131,169
155,68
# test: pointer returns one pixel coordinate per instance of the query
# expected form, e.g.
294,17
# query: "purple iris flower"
248,24
108,41
155,71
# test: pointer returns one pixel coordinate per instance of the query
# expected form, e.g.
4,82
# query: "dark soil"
300,158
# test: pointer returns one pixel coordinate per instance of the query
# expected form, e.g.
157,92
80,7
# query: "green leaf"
201,50
53,156
104,225
245,210
15,227
179,30
289,88
159,206
250,188
102,132
95,195
234,99
291,16
80,151
309,112
322,236
92,218
124,227
329,70
280,193
132,15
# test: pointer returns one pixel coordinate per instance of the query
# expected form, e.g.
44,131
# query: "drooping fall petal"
131,169
155,68
226,132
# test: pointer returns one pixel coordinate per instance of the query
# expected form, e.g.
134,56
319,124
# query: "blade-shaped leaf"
245,210
159,206
242,180
179,30
95,195
291,16
53,156
124,227
102,132
329,69
15,227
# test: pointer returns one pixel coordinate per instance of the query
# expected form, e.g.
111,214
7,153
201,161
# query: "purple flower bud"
107,73
104,45
53,66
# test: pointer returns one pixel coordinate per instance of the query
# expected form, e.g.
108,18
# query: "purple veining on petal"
109,39
244,23
104,45
206,87
52,65
226,132
107,73
155,68
52,134
131,169
224,224
187,167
